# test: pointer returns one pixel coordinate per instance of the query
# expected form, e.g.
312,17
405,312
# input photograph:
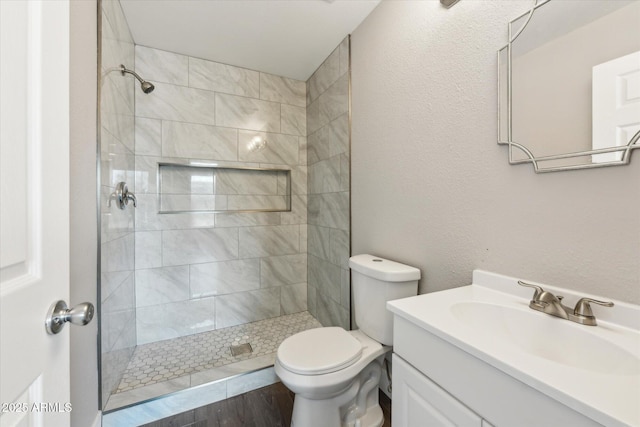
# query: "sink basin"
547,337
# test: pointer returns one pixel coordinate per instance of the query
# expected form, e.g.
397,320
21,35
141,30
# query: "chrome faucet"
548,303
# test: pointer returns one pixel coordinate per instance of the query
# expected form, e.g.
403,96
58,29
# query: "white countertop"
612,399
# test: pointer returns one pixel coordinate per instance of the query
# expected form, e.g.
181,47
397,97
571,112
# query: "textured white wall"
430,186
83,215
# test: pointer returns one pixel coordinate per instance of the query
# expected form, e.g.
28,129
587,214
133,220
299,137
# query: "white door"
616,104
34,210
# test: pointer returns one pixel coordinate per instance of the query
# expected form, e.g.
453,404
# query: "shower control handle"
132,197
122,196
59,314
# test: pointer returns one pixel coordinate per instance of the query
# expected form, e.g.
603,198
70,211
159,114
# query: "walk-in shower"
233,245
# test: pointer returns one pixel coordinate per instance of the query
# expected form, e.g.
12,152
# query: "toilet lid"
319,351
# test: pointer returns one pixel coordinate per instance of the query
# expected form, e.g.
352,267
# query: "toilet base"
356,406
374,417
314,413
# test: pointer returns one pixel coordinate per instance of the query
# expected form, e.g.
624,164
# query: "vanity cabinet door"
419,402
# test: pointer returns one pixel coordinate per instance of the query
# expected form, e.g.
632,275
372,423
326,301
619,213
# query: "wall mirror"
569,85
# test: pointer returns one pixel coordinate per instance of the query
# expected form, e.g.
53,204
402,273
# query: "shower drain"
237,350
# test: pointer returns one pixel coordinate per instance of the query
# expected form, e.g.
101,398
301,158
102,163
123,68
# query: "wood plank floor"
265,407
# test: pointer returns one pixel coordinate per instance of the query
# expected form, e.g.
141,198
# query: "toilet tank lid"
383,269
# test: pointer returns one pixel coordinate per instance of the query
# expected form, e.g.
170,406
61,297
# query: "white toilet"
335,373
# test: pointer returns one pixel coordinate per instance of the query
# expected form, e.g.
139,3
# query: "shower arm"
124,70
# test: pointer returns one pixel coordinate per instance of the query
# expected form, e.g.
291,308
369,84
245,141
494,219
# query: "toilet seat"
319,351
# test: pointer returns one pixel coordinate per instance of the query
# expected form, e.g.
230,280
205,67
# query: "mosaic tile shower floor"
166,366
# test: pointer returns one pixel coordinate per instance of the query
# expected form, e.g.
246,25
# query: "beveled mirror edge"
633,144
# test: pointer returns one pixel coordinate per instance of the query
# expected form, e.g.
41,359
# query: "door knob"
59,314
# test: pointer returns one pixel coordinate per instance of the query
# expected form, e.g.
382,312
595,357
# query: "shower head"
146,86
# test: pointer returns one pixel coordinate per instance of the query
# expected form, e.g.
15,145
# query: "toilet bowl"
337,391
335,373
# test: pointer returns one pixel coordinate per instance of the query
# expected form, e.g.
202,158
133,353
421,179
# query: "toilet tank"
374,281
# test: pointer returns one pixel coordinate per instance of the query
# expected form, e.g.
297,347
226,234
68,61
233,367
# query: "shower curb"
191,398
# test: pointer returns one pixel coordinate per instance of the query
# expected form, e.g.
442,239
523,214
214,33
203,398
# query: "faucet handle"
539,291
583,307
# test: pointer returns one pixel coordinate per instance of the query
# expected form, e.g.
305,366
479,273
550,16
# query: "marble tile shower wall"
197,272
118,333
328,158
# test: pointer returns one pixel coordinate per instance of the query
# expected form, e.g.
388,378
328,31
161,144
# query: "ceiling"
289,38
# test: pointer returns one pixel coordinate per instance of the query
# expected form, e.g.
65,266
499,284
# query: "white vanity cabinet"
478,355
437,384
418,401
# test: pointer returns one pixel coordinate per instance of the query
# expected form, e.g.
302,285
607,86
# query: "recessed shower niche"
211,188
